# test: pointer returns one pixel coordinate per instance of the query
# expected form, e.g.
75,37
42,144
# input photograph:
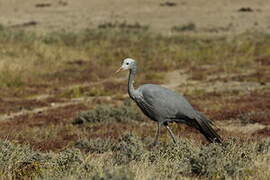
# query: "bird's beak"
119,70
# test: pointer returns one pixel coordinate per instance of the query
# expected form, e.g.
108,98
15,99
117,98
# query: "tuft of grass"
123,26
19,161
10,79
156,77
97,145
115,174
225,161
67,159
185,27
98,91
130,148
75,92
79,91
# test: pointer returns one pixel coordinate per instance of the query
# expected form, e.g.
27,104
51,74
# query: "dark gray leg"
157,134
171,133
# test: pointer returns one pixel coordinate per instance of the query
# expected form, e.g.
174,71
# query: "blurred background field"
64,114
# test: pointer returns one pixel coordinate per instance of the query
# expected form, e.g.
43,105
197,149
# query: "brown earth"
235,117
210,17
240,110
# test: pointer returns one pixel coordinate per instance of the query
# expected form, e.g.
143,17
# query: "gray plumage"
164,106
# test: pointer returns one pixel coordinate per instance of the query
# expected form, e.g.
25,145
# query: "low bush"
232,160
122,173
95,145
130,148
185,27
105,113
20,161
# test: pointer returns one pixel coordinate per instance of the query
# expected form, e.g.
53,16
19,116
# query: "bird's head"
127,64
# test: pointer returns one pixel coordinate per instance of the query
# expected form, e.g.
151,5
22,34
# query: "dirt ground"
224,17
209,17
213,52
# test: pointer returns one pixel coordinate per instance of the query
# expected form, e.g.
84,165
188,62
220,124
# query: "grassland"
65,115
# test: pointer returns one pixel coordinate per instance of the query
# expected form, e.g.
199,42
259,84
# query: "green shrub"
10,79
105,113
130,148
68,158
8,35
185,27
182,149
263,147
68,163
20,161
95,145
123,26
214,160
230,160
173,159
121,173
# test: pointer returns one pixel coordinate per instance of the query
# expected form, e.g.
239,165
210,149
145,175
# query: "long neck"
131,77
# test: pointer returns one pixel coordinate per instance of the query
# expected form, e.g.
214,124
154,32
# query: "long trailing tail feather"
204,126
201,123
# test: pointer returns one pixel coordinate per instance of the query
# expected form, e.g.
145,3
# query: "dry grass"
227,78
128,158
30,63
211,17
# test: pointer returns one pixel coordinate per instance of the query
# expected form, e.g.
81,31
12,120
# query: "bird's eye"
127,63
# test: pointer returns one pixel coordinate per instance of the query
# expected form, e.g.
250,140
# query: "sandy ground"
211,16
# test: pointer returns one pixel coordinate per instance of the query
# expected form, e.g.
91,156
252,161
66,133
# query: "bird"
166,106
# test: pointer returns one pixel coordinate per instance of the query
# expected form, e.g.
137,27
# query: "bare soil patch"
212,17
21,127
8,106
54,116
251,108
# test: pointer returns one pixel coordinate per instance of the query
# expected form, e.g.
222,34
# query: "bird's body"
164,106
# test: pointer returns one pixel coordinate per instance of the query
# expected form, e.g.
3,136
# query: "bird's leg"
157,134
171,133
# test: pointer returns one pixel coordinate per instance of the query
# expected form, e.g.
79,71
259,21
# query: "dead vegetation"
184,159
94,127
